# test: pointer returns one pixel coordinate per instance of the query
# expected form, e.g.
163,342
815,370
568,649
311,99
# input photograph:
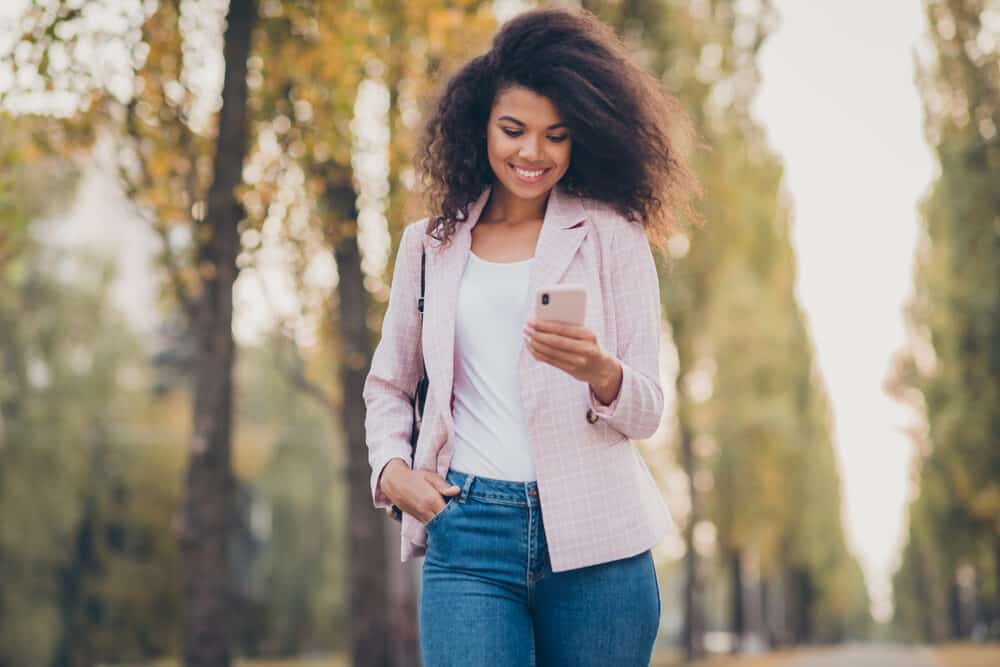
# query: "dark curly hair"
626,128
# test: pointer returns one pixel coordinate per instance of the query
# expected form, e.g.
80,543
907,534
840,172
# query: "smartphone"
562,303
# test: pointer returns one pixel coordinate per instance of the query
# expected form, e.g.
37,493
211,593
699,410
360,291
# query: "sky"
840,106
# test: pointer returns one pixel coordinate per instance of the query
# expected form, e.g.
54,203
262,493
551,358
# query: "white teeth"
528,174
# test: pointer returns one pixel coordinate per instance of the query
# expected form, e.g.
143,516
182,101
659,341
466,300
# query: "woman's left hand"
573,349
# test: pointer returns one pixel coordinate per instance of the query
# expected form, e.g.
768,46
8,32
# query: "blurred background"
198,220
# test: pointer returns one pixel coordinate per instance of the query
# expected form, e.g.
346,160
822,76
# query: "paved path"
870,655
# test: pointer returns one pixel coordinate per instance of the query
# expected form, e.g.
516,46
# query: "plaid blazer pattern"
598,499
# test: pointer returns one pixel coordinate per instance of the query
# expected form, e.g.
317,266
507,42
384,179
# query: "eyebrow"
521,123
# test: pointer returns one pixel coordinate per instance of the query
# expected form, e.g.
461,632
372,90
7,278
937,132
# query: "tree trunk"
693,618
737,617
693,628
71,646
209,499
993,614
803,607
954,608
772,621
403,604
371,632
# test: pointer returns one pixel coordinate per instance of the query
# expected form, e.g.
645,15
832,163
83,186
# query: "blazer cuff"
636,410
378,497
609,410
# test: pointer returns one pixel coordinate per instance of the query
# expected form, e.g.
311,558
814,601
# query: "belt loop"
465,488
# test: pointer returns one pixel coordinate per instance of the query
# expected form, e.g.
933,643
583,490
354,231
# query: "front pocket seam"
447,506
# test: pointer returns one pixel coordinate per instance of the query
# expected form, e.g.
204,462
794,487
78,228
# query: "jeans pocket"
449,503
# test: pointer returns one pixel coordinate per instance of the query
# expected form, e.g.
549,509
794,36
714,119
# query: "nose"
531,148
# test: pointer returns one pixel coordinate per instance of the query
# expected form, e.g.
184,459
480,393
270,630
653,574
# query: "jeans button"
591,415
533,491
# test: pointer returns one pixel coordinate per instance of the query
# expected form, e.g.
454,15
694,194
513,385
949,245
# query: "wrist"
391,472
608,382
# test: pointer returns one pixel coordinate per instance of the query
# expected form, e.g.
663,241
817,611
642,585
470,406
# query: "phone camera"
545,299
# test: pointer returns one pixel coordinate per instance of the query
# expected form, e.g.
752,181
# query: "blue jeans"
489,595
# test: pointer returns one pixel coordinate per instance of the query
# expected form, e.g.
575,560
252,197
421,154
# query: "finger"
570,359
442,486
561,328
560,342
548,359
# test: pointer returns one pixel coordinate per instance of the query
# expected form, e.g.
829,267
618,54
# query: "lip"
521,178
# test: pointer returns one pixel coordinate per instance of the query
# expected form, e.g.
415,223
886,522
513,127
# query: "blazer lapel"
563,228
444,271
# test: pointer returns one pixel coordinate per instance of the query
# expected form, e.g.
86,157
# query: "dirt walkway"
868,655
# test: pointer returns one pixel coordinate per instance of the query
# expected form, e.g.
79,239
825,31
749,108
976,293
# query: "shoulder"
414,230
613,228
414,235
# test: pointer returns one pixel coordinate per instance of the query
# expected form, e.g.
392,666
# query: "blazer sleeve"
396,366
638,408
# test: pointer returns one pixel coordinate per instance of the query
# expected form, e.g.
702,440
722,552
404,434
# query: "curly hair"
627,130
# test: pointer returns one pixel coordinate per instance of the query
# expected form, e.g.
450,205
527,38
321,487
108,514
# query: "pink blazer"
598,499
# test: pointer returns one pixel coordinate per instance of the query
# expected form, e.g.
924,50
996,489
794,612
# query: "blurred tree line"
259,529
92,457
754,431
948,583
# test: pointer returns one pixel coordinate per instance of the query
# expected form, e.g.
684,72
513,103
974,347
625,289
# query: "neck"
504,205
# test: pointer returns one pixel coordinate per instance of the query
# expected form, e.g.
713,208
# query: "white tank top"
491,436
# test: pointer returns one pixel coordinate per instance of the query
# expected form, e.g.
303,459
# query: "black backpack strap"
420,301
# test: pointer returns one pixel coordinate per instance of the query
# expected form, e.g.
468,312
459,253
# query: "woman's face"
527,144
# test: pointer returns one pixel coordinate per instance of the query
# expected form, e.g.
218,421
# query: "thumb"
444,487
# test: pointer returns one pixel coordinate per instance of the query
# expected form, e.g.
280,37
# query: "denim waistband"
497,490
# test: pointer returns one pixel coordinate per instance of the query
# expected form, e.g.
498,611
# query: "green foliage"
85,515
763,432
294,586
36,522
90,473
951,373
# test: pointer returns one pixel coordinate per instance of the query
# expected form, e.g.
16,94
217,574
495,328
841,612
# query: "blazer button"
591,415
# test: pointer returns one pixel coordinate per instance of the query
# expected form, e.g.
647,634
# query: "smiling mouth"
528,175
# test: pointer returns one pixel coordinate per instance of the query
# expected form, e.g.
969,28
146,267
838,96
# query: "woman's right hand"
416,492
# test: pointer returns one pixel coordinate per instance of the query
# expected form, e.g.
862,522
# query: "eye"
517,133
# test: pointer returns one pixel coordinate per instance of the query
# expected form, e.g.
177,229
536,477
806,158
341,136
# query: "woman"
549,159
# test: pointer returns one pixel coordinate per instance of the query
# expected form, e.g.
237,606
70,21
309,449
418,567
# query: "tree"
751,412
208,498
395,49
951,371
48,28
32,545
